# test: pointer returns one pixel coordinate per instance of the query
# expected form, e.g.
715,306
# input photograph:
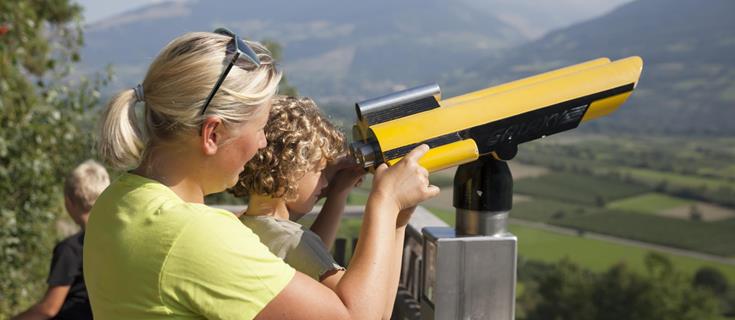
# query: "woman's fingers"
432,191
416,153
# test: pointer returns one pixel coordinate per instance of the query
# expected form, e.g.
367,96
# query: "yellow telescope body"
492,121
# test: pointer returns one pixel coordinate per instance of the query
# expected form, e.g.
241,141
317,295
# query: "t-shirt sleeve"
219,269
310,256
65,264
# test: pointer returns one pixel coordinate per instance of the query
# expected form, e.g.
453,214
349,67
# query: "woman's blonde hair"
174,91
85,183
299,139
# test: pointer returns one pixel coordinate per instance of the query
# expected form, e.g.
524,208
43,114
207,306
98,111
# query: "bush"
44,132
568,291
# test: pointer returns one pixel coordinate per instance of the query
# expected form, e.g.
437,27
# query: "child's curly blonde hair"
299,139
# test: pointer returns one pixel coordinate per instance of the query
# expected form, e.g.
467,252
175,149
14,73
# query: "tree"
712,279
568,291
44,132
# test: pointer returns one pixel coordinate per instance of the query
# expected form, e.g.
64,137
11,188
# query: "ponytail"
121,141
176,85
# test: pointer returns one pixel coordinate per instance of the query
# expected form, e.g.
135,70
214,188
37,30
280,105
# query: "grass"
651,203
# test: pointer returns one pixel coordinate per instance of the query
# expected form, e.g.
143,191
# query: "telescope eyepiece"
364,153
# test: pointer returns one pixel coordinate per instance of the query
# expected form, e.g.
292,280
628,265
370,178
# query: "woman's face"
308,189
244,143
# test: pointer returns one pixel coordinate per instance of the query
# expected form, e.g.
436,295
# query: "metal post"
470,271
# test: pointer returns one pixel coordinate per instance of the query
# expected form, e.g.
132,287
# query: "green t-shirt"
150,255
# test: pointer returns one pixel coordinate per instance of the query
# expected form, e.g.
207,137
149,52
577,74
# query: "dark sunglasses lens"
245,51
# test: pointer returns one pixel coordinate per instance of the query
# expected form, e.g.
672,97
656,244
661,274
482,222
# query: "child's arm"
342,175
395,274
48,307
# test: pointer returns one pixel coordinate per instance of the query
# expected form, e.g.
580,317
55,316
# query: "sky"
95,10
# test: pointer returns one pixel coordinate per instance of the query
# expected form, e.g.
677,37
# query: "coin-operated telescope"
469,272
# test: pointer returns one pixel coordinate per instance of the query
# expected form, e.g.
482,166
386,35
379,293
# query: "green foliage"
44,132
711,278
567,291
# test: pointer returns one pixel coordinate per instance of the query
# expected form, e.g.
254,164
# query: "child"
302,162
66,297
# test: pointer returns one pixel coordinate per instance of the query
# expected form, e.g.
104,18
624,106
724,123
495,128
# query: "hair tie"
139,96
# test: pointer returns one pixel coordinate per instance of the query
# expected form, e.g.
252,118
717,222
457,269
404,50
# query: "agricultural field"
577,188
598,255
651,203
668,191
699,168
709,237
672,207
645,217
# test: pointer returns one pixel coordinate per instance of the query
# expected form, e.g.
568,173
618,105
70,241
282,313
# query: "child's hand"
342,175
406,183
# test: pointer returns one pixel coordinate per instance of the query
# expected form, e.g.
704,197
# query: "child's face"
308,189
76,214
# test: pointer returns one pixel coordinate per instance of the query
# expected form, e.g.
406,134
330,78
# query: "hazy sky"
98,9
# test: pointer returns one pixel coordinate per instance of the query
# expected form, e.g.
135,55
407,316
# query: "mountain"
335,50
535,18
688,48
339,51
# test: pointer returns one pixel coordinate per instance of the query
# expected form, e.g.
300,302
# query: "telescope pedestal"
470,272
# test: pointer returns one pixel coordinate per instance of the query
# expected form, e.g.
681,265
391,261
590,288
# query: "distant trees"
567,291
44,131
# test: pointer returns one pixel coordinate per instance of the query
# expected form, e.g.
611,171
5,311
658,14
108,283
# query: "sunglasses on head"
241,51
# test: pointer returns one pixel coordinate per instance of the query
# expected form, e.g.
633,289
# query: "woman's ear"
210,134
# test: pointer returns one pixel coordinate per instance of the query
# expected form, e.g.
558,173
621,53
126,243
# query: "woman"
154,250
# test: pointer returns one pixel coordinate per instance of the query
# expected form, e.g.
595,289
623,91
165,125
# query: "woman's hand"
406,183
